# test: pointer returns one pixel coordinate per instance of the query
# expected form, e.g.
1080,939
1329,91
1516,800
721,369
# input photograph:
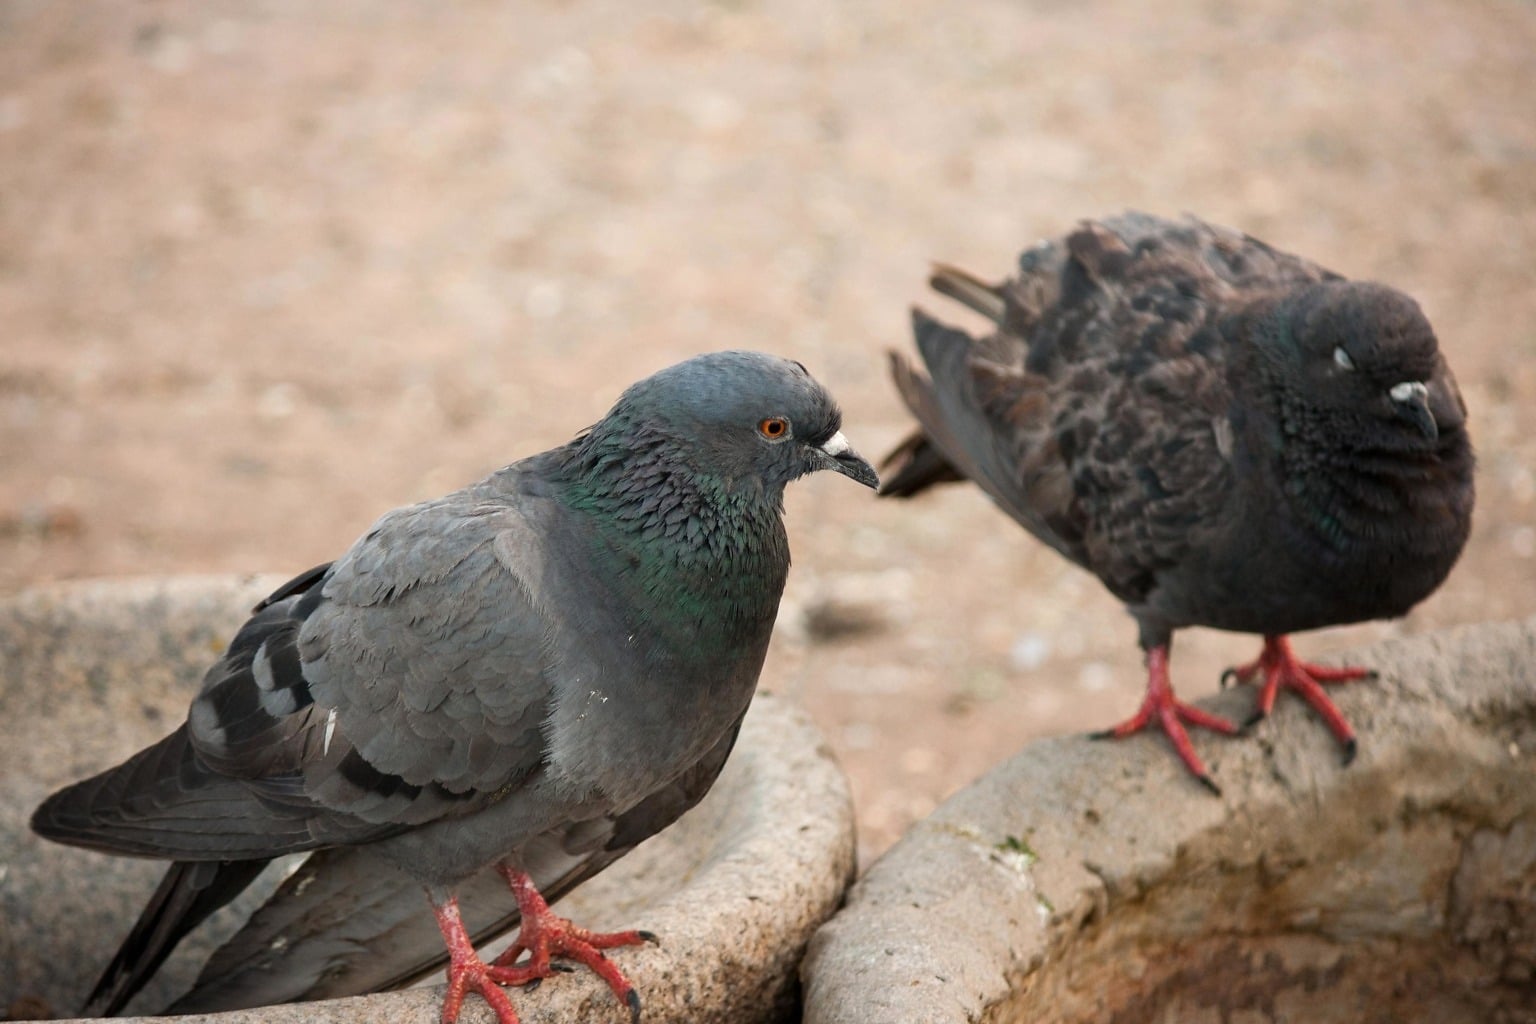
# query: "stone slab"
1094,881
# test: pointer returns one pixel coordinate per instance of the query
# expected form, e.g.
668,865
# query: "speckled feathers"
1163,403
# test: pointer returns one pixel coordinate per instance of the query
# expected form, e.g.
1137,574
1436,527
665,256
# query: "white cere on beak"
1407,390
837,444
1342,360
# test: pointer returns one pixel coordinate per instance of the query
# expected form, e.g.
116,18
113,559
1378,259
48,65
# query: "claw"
1170,714
466,971
544,934
1282,669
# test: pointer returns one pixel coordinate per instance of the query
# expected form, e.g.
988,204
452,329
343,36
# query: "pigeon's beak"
1410,401
838,455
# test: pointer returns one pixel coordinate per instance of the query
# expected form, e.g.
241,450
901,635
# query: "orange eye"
774,428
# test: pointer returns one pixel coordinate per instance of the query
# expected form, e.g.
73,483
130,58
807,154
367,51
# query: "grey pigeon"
1225,434
527,677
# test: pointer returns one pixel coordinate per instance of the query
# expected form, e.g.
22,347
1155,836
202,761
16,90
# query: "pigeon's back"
1128,285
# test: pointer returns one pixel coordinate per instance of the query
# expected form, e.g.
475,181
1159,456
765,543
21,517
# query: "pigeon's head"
742,416
1365,354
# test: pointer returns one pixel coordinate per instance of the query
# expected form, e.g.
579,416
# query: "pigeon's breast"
631,715
1276,569
655,669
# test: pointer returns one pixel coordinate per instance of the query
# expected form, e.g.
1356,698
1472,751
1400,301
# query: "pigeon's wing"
435,648
346,923
173,800
1132,342
271,759
407,683
1097,414
164,773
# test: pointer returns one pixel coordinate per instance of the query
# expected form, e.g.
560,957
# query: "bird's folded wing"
405,684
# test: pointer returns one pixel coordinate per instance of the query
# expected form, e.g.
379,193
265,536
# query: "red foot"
466,971
544,934
1161,706
1281,667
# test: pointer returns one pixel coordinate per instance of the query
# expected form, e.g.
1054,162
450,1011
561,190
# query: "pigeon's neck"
709,552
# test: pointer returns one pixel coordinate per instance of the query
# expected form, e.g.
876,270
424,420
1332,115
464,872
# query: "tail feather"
969,290
189,892
933,455
918,466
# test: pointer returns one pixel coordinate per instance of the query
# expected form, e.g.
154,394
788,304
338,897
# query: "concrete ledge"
1085,881
91,672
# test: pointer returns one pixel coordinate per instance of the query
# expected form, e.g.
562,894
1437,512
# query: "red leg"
1162,707
466,971
544,934
1281,668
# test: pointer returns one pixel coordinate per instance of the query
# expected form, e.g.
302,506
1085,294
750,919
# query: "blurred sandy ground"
268,269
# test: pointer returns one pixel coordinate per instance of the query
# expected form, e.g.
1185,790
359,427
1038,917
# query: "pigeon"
519,681
1225,434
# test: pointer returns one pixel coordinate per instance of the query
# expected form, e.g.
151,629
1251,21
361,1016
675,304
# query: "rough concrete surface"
91,672
1086,881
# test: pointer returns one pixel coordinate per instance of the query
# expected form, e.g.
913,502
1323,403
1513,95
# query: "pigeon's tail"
969,290
969,380
929,456
189,892
918,466
344,923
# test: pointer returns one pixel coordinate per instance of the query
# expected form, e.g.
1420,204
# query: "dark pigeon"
524,678
1225,434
